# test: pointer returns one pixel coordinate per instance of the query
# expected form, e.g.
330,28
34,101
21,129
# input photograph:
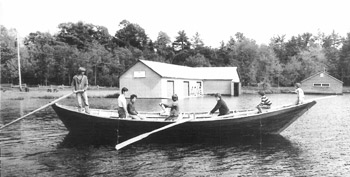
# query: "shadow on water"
260,144
168,155
76,141
264,143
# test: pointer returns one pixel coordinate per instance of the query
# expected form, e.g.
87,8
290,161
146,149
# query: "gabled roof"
185,72
325,73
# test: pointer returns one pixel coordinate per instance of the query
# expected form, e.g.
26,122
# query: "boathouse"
322,83
150,79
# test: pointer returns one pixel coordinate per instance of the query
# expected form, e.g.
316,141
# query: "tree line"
53,59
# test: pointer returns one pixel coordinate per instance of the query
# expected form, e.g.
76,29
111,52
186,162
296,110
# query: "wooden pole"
19,64
51,103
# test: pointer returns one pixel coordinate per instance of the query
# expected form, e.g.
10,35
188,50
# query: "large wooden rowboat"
105,124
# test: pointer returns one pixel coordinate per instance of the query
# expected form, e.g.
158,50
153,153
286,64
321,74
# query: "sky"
215,21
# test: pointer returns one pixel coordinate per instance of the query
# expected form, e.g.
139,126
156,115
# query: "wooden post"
19,64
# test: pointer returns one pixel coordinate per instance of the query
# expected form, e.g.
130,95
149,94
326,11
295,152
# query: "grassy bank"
252,90
14,94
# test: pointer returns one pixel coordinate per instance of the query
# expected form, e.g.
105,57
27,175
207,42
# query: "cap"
81,69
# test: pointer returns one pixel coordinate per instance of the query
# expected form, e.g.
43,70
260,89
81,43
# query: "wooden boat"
105,124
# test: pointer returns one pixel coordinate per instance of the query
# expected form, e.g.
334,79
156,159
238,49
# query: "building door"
186,88
236,89
199,87
170,89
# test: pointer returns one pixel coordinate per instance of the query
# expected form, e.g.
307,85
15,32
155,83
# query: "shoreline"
34,93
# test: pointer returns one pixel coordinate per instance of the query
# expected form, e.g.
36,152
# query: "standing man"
122,106
300,93
80,85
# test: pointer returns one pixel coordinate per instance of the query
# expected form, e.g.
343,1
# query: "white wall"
179,87
149,86
217,86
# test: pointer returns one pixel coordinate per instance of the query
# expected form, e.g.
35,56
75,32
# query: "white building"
149,79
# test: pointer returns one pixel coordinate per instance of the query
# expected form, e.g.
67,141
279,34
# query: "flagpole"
19,64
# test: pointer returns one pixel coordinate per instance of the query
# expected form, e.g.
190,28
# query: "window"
321,85
139,74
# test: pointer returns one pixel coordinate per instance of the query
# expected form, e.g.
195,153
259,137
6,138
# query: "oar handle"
142,136
42,107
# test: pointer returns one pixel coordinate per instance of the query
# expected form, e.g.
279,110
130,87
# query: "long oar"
142,136
320,98
51,103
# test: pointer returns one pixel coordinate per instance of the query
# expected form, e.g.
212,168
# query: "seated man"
265,102
131,108
174,108
220,105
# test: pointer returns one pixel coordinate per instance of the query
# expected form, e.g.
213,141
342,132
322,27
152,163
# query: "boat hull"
118,130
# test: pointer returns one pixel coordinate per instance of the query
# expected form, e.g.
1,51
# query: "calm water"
317,144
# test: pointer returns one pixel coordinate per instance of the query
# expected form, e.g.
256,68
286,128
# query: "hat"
82,69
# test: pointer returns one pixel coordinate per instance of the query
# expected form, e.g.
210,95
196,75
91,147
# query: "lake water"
317,144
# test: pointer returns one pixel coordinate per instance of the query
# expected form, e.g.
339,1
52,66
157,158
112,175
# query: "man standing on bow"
79,86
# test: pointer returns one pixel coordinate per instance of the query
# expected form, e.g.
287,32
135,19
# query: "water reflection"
245,154
241,155
315,145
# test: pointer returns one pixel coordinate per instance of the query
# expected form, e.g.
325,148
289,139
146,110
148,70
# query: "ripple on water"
315,145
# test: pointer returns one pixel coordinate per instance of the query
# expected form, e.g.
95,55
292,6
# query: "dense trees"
53,59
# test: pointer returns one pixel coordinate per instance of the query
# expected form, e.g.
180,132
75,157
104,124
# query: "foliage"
181,42
9,67
344,60
54,59
197,41
132,35
197,61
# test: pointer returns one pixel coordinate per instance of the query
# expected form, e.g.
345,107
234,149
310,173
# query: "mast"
19,64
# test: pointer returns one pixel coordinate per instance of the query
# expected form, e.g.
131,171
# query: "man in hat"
80,85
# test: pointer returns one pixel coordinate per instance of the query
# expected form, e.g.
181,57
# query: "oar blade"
132,140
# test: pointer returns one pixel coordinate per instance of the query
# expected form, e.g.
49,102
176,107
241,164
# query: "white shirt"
301,95
121,101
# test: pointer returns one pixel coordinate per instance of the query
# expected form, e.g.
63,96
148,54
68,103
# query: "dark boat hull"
117,130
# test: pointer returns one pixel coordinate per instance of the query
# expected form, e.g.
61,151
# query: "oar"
321,98
51,103
163,107
142,136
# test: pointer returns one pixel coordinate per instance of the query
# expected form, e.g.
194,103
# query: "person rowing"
131,108
174,108
220,105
